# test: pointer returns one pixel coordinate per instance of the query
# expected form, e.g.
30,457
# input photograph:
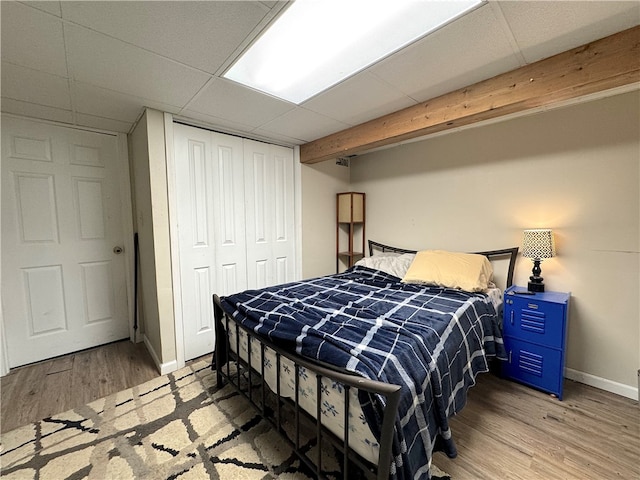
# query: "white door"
64,287
236,209
211,228
270,201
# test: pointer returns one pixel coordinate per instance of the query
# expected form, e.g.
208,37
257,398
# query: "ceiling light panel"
315,44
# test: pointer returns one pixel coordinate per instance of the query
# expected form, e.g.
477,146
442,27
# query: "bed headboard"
493,255
386,248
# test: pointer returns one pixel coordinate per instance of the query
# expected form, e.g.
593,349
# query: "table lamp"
537,244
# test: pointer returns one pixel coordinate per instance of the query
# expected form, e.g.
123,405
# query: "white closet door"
229,212
64,282
270,201
211,235
236,211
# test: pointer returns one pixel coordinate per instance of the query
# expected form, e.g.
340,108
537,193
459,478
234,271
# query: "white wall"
151,214
320,183
576,170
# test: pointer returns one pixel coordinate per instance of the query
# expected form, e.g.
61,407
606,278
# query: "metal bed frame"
246,378
512,253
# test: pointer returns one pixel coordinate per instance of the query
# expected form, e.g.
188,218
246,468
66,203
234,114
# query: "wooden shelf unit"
350,221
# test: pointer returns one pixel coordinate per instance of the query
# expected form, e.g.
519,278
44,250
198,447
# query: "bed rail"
224,356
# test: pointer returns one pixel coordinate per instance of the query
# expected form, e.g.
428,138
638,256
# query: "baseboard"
163,368
602,383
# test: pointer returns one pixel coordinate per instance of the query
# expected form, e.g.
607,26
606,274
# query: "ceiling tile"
225,99
108,63
46,6
36,111
33,86
103,123
100,102
473,48
541,31
214,122
277,138
358,99
209,122
199,34
32,38
303,124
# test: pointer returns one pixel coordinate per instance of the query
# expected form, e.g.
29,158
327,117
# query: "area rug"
178,426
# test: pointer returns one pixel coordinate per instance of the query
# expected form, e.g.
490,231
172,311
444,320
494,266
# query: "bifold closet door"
211,233
270,213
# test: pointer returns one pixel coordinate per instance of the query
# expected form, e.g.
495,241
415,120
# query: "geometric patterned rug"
179,426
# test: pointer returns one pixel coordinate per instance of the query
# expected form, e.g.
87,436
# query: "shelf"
350,230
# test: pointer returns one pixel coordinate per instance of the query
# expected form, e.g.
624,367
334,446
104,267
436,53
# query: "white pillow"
392,263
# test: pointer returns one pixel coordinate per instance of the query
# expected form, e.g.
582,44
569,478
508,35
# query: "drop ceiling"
99,64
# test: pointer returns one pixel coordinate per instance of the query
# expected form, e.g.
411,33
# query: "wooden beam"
601,65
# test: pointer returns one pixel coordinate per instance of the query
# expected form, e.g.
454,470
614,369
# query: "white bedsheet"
361,440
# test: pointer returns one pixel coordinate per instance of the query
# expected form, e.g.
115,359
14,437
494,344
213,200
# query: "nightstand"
535,337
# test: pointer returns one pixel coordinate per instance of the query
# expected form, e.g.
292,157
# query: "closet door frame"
173,232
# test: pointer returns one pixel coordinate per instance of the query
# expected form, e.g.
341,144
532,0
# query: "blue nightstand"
535,337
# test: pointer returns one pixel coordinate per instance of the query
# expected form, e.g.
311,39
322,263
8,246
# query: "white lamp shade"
538,244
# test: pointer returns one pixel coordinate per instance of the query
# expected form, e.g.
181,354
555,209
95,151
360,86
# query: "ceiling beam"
601,65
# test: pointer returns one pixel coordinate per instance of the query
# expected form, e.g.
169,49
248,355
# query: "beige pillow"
465,271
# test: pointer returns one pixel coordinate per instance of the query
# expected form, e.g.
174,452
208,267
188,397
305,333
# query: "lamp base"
535,287
535,280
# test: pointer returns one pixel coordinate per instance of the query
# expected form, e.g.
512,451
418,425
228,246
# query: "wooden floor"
509,431
506,431
36,391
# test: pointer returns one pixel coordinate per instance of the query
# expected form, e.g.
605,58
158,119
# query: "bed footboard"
248,378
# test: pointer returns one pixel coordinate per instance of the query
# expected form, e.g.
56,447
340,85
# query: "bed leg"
219,379
220,352
388,423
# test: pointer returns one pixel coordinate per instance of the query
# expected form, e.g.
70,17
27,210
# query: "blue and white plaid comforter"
431,341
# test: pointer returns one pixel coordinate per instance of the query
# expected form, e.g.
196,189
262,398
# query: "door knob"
118,250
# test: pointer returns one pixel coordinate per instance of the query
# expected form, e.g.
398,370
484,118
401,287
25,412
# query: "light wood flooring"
509,431
506,431
39,390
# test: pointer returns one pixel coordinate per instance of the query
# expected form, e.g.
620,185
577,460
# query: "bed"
375,366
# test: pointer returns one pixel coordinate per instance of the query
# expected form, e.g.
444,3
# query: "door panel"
230,245
36,208
63,289
45,310
210,228
194,188
269,199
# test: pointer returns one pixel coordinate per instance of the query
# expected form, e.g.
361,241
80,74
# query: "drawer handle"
510,351
512,313
533,306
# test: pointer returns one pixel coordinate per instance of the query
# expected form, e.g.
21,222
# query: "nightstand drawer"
535,321
534,365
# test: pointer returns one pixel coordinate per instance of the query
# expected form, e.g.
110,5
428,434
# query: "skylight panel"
316,44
